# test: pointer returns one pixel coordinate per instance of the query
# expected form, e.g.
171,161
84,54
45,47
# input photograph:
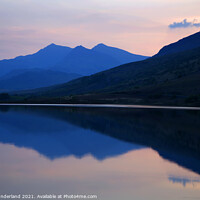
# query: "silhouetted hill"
12,73
33,78
119,54
187,43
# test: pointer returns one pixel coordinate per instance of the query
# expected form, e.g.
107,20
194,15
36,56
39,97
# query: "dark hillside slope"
187,43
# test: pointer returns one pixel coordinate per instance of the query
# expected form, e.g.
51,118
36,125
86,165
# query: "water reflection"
100,151
185,181
56,138
59,131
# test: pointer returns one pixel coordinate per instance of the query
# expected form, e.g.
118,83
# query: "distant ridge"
33,78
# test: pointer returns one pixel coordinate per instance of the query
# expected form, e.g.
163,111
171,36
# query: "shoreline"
106,106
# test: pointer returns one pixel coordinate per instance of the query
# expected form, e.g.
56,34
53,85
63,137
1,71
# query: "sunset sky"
139,26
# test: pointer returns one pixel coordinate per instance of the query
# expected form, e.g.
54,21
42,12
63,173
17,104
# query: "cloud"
185,24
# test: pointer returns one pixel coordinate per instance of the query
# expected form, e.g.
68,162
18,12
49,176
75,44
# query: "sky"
139,26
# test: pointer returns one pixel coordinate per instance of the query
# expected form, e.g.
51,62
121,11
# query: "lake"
111,153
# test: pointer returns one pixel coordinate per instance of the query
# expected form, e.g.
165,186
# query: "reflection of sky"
140,26
140,174
56,151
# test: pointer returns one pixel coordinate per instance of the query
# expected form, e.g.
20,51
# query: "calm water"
113,153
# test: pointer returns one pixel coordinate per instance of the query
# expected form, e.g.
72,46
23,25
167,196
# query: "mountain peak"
100,45
55,49
80,48
52,44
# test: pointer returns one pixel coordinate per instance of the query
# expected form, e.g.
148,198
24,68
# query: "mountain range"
170,77
67,64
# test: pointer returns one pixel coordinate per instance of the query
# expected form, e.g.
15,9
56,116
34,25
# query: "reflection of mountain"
187,160
174,134
183,181
56,138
